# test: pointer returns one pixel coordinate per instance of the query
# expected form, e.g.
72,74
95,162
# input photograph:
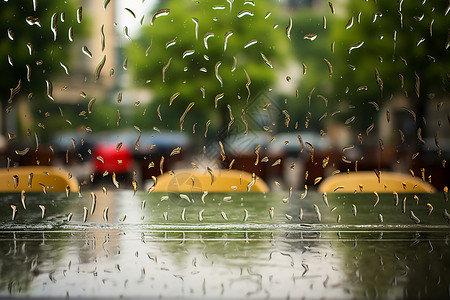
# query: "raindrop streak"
171,43
49,90
226,37
414,217
188,53
159,13
183,214
355,46
86,51
317,212
22,199
354,209
250,43
206,37
131,12
376,199
99,68
79,14
271,213
247,85
266,60
14,212
54,25
71,34
43,210
114,180
105,4
195,20
125,64
105,214
33,21
148,49
125,33
325,199
217,98
64,67
22,152
188,108
376,15
331,7
330,67
102,36
165,69
216,68
289,28
16,181
173,97
244,12
349,23
90,105
310,36
30,48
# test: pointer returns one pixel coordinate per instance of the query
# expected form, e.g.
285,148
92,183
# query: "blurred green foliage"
184,76
46,52
419,55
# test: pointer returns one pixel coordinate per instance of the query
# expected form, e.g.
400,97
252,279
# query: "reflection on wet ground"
157,246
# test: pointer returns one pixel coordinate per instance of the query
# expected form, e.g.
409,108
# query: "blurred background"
293,91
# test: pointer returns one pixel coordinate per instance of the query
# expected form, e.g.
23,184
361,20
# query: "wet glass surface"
170,247
293,92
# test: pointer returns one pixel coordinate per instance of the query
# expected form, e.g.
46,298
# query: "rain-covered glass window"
224,149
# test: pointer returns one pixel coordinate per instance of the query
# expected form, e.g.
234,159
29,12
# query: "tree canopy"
377,50
209,55
34,47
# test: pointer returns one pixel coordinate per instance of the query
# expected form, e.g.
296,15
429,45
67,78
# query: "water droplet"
310,36
330,67
349,23
99,68
49,90
245,12
114,180
354,209
331,7
227,35
70,33
105,4
289,28
216,68
86,51
33,21
171,43
266,60
355,46
376,15
30,48
414,217
14,212
195,20
131,12
54,25
217,98
159,13
250,43
43,211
